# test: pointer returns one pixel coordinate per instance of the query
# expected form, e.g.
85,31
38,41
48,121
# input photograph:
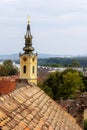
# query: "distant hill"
49,59
63,61
16,56
11,56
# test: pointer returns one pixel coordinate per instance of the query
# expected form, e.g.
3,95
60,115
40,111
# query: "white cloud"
7,1
61,19
66,17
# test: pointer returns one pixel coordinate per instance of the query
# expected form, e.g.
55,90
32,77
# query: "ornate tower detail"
28,41
28,60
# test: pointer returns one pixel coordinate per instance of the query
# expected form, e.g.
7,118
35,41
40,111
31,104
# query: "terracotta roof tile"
26,128
5,128
29,108
7,85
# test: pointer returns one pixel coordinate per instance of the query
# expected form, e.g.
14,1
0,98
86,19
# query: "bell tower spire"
28,60
28,40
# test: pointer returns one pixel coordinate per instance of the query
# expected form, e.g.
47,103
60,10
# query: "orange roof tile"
7,85
29,108
26,128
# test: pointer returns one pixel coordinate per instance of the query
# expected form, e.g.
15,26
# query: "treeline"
64,62
61,62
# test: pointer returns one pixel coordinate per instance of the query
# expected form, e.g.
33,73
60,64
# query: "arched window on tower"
33,69
24,69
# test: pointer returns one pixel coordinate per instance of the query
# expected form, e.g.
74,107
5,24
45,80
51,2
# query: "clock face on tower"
24,58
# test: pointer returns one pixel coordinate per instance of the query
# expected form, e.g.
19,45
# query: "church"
28,60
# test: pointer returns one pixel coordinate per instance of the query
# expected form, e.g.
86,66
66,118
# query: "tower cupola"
28,41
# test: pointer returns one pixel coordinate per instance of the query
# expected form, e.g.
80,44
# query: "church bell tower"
28,60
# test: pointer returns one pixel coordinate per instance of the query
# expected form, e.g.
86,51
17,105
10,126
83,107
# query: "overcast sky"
58,26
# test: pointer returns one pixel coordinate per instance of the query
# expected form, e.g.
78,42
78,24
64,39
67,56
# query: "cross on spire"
28,19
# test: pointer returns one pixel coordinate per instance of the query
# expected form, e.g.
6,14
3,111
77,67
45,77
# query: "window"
33,59
24,69
33,69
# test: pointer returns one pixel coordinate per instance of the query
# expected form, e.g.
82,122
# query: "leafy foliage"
71,83
75,64
3,71
8,68
85,125
85,83
63,84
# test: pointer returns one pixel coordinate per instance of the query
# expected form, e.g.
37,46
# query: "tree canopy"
7,68
63,84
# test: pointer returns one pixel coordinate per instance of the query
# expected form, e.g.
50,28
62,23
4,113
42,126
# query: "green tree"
9,67
3,71
85,124
85,83
69,70
55,65
48,90
71,83
53,81
75,64
63,84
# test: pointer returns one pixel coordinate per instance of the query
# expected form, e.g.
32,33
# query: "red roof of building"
7,84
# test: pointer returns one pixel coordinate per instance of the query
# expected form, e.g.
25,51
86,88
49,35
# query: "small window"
24,69
33,69
33,59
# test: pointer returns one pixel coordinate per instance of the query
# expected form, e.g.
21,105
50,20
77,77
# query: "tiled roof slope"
29,108
7,86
